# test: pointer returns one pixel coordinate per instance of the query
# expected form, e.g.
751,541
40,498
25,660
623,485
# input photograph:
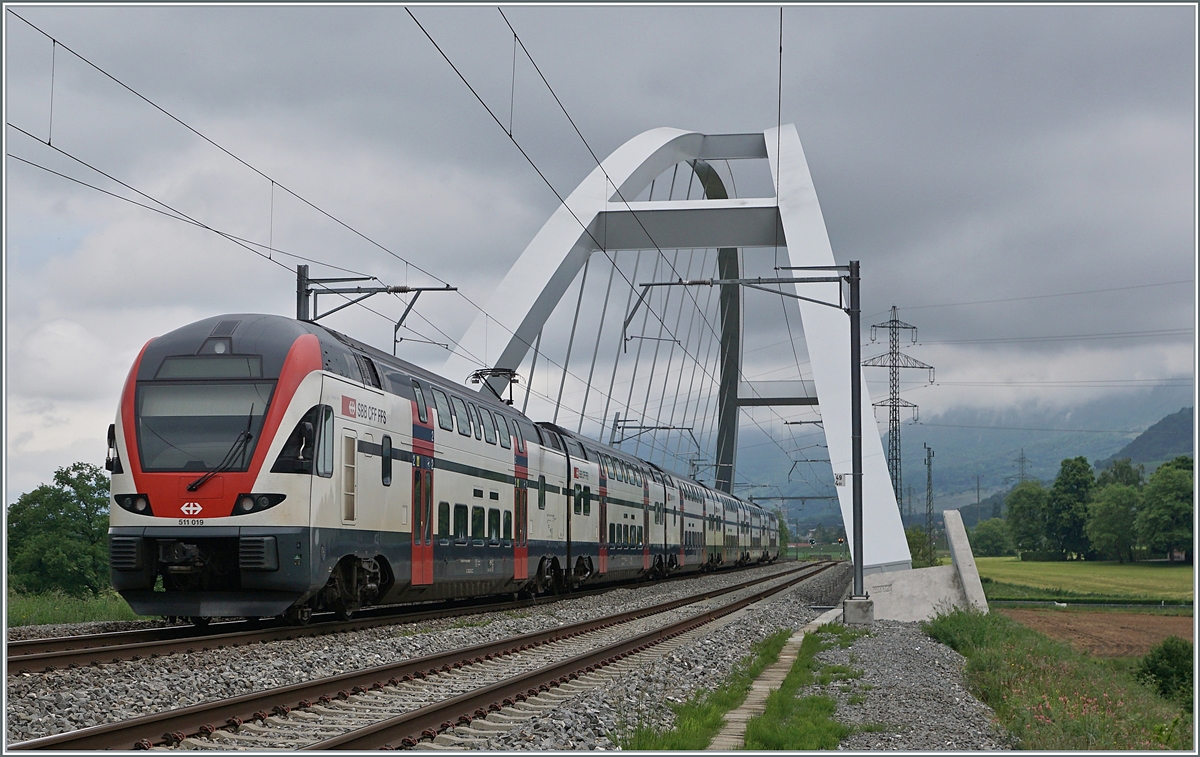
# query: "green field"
1126,580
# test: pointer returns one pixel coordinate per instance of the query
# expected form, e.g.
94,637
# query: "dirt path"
1105,634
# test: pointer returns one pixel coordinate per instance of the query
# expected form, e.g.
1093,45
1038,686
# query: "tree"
990,539
1026,505
1164,521
920,547
1066,507
1122,472
1110,521
785,538
58,534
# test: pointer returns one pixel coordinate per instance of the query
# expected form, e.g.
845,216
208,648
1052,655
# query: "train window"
385,454
587,500
507,525
552,438
444,519
574,448
495,496
502,428
640,536
478,524
460,523
325,443
541,492
422,410
297,453
493,526
612,533
461,415
443,408
537,432
625,534
370,374
477,493
520,439
489,425
474,413
578,499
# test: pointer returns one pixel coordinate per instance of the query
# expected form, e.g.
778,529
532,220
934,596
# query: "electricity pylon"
894,360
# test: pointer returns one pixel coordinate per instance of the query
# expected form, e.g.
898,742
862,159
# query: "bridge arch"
600,215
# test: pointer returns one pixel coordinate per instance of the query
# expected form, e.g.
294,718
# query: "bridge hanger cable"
592,152
542,175
596,349
529,160
210,141
599,163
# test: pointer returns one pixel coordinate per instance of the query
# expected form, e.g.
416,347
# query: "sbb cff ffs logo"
352,408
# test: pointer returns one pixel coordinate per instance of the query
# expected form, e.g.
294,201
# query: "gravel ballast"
910,684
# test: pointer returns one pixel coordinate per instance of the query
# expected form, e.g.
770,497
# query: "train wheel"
200,621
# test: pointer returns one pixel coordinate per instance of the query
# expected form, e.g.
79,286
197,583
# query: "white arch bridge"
664,315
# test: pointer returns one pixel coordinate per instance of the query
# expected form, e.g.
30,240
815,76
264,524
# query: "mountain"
1165,440
967,442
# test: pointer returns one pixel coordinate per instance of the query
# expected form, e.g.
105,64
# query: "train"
265,466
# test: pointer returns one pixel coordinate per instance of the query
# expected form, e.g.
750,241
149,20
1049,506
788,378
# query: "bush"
1168,667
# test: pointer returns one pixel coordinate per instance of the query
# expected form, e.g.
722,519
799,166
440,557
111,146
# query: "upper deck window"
462,416
422,411
445,419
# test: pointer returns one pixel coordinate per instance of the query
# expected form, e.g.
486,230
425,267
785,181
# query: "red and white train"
265,466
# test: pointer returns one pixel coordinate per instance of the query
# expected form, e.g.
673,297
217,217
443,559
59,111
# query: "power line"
175,214
181,219
546,180
202,136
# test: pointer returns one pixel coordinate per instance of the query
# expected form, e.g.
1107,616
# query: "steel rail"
407,729
55,653
172,725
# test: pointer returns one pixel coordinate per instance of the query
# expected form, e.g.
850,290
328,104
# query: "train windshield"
193,427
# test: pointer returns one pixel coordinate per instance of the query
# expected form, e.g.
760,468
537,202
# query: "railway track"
50,654
357,710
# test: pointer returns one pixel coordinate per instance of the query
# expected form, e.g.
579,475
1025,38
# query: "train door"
603,527
422,520
521,533
349,477
644,536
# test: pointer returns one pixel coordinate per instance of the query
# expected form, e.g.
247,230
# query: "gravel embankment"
41,704
911,686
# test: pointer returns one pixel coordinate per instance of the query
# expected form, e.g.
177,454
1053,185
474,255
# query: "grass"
43,609
700,718
1052,698
805,723
1141,580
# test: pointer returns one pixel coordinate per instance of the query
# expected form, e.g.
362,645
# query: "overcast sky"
963,154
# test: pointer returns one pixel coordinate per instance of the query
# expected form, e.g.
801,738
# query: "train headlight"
138,504
253,503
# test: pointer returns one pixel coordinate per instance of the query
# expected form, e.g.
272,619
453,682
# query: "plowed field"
1105,634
